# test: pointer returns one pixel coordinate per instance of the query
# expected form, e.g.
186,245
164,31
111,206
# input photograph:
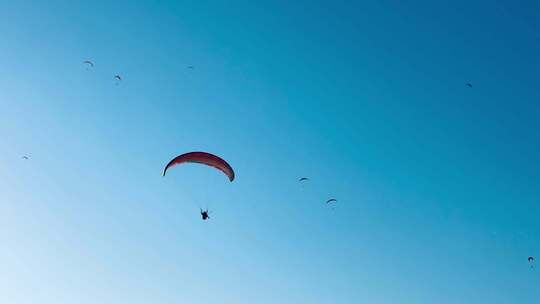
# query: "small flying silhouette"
26,157
191,67
205,214
332,200
469,85
88,64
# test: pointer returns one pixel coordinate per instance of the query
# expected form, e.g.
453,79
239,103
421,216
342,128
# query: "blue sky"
437,183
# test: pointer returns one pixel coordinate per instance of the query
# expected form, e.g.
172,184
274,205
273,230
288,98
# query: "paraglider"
469,85
205,159
191,67
89,64
118,79
303,179
332,200
204,214
202,158
26,157
531,261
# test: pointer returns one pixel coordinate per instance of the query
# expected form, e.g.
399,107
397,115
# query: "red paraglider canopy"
202,158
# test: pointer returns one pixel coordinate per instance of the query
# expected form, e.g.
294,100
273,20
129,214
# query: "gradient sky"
437,183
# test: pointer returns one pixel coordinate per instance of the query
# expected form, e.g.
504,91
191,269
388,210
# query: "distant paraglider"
332,200
303,179
202,158
25,157
205,214
531,261
469,85
118,79
89,64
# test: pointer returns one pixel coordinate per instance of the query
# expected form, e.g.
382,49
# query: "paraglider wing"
332,200
302,179
202,158
90,63
531,259
117,77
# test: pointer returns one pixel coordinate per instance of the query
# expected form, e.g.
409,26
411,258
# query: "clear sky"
437,183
